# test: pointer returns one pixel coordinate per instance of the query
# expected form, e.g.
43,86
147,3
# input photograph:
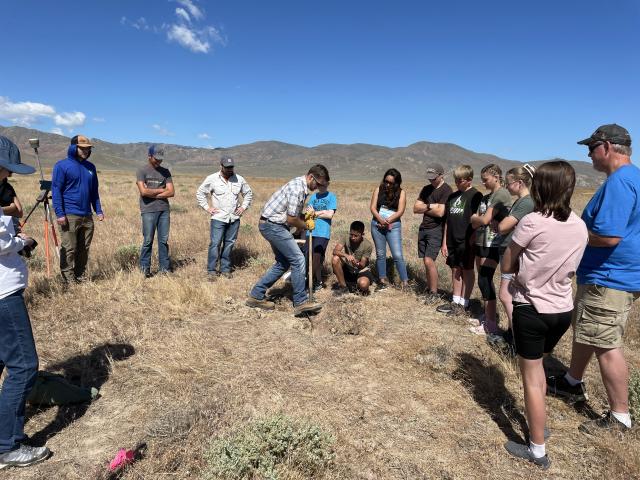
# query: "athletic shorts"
350,277
600,315
492,253
537,333
429,242
461,255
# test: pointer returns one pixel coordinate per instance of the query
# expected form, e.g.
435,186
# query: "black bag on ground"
52,389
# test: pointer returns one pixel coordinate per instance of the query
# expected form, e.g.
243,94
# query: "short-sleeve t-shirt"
614,211
500,201
552,252
322,201
153,178
7,193
428,194
364,249
459,208
521,207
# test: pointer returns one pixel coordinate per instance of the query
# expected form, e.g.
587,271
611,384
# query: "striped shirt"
288,200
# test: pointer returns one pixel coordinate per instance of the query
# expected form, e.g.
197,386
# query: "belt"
264,219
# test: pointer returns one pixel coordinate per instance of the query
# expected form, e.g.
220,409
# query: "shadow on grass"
486,385
89,370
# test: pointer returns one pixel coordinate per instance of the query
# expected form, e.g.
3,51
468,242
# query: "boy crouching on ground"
351,261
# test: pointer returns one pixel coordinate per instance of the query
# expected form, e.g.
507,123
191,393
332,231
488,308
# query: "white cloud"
98,119
188,38
27,113
70,119
165,132
195,11
182,13
204,136
57,130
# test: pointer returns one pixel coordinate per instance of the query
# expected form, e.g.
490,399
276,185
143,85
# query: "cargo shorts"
600,315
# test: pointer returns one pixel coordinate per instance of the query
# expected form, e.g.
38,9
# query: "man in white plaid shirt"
281,212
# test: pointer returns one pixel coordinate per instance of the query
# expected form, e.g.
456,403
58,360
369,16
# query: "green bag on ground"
52,389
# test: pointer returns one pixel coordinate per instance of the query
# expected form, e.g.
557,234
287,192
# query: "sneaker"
446,308
603,424
382,286
519,450
318,286
23,456
263,304
307,307
341,291
432,298
557,386
459,311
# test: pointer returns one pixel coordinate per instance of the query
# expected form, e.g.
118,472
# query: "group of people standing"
536,240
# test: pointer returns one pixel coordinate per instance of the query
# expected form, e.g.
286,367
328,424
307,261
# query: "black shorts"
429,242
351,277
460,255
537,333
319,246
492,253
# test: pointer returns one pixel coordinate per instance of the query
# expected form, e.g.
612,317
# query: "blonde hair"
523,174
495,170
464,172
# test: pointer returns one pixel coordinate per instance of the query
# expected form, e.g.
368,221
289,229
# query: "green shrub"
177,208
268,448
127,256
634,395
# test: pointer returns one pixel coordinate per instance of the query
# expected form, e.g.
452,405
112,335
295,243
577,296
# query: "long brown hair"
552,188
391,198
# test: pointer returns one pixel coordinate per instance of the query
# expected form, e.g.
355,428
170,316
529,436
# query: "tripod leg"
54,236
46,247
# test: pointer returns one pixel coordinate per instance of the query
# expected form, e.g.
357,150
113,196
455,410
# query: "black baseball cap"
227,161
609,133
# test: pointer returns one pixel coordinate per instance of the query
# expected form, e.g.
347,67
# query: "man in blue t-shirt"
608,278
324,204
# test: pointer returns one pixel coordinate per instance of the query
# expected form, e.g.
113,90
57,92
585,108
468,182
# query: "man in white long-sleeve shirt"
224,187
17,347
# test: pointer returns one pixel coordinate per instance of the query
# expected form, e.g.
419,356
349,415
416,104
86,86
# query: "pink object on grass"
122,458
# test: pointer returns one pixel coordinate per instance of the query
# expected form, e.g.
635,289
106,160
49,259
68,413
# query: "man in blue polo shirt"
74,193
608,279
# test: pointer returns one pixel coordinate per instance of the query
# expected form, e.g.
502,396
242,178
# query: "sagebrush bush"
634,395
127,256
269,447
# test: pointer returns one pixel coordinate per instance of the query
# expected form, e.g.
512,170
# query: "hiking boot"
557,386
263,304
432,298
606,423
382,286
307,307
446,308
227,275
23,456
519,450
147,272
212,276
459,311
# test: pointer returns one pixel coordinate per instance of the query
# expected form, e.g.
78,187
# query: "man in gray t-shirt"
156,187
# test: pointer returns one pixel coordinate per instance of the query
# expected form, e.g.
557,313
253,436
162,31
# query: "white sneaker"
474,322
23,456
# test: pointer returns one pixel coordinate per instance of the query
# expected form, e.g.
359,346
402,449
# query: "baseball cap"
609,133
10,158
227,161
434,170
81,141
156,152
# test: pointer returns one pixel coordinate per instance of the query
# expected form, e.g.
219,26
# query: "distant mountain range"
357,161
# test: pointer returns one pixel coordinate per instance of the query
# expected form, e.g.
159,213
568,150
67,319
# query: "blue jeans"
18,355
394,238
225,233
151,222
287,254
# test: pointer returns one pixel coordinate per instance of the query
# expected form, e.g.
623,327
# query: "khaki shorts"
600,315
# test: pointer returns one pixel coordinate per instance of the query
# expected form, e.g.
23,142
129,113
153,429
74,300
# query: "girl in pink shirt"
544,253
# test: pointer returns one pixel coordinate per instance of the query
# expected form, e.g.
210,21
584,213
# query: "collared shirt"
13,269
224,195
288,200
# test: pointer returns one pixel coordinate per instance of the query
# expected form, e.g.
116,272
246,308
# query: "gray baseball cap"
609,133
227,161
434,171
10,158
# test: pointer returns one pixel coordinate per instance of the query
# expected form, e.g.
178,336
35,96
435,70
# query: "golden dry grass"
407,393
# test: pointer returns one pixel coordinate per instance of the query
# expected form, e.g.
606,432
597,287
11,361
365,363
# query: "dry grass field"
405,392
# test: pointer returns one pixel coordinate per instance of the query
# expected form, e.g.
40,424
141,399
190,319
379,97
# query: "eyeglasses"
319,183
593,146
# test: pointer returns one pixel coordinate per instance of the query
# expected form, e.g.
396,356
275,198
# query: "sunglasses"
386,182
593,146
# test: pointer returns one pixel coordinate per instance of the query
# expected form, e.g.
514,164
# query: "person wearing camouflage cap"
608,279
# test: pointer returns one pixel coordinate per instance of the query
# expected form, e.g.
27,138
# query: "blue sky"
522,80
